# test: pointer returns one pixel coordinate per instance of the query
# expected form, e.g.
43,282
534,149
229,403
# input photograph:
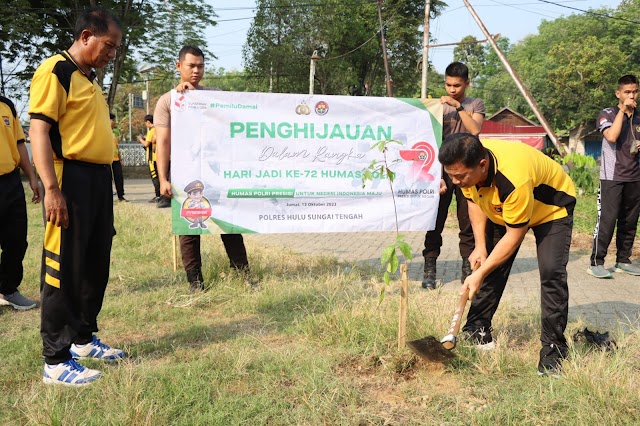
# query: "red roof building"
507,124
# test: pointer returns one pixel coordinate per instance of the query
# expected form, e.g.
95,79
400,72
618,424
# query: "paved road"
603,304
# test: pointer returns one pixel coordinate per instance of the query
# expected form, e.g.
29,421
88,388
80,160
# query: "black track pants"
618,205
153,172
118,178
75,261
553,240
13,231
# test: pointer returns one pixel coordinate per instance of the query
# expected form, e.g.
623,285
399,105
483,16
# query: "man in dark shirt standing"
619,194
461,114
190,65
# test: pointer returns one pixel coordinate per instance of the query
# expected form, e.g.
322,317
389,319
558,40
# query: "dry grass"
312,347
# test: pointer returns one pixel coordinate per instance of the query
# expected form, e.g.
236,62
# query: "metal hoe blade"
430,349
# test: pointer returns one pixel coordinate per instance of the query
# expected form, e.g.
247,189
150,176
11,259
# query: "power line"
589,12
351,51
514,6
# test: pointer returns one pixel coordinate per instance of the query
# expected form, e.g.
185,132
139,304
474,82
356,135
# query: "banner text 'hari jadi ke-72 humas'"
283,163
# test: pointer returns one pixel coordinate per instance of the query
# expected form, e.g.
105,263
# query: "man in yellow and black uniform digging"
517,188
13,208
72,150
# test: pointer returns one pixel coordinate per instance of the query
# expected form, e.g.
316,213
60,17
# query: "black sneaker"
429,277
465,271
481,338
196,280
196,286
155,199
164,203
550,363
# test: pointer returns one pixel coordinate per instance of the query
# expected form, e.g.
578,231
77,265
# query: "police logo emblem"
322,108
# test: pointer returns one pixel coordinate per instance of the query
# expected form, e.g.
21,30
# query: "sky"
514,19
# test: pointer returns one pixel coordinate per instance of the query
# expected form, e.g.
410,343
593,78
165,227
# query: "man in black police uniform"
13,208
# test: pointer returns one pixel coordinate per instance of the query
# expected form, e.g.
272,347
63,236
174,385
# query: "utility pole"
145,70
532,103
425,48
384,52
146,92
130,107
1,77
312,70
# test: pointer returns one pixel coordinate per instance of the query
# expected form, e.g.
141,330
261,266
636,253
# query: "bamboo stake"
175,253
404,302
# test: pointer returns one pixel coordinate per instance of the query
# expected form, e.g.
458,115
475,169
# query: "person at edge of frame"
619,192
13,207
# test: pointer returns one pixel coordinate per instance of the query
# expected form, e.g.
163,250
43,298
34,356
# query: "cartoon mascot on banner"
196,209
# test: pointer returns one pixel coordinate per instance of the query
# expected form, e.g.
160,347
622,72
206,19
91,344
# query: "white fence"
133,154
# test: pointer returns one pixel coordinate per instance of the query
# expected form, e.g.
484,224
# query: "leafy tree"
233,81
284,35
172,25
624,32
582,82
568,67
473,54
151,29
489,79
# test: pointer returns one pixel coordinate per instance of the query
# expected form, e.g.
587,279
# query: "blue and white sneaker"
69,373
96,350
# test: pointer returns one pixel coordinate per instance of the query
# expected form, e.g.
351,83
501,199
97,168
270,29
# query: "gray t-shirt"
617,164
451,122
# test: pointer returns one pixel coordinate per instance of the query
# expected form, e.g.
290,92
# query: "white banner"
282,163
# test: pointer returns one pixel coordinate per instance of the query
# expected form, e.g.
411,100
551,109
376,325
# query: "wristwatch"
460,108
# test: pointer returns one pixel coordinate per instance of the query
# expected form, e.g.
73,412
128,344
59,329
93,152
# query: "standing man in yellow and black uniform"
517,188
116,166
73,151
149,143
13,208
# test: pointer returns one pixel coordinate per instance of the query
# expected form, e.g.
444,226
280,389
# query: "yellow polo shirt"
72,102
524,186
11,135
